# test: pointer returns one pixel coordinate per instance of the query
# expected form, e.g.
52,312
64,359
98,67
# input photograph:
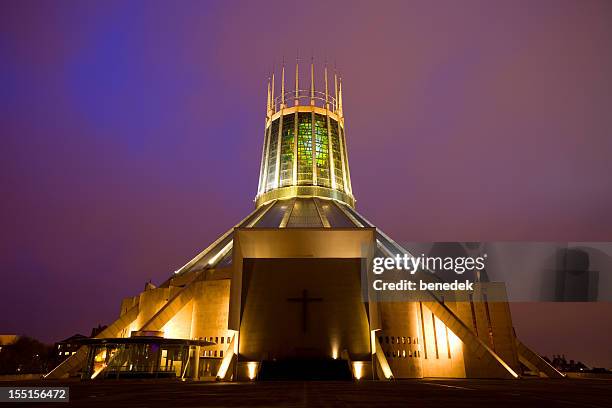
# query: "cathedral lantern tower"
304,150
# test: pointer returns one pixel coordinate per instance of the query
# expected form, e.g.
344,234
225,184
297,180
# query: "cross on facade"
304,300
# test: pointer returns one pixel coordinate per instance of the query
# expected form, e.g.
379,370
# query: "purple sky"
131,135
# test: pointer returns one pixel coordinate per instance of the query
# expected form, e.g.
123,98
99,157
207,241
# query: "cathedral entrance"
303,318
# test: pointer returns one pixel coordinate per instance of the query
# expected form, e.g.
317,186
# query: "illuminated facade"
280,294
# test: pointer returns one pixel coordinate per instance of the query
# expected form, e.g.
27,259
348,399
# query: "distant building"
7,340
561,364
67,347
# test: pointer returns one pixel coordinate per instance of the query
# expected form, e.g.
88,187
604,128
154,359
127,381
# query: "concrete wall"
442,351
272,325
400,338
210,313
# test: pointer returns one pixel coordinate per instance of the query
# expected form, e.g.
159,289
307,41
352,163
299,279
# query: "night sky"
131,137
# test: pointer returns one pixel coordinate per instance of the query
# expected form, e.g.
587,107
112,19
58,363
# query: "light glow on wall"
373,341
456,345
335,348
234,341
252,369
358,369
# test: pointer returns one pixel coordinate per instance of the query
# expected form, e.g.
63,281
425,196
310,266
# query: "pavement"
596,393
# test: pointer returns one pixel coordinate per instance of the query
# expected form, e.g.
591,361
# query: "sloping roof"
296,212
73,338
306,212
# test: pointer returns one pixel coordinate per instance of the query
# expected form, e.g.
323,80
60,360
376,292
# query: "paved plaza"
407,393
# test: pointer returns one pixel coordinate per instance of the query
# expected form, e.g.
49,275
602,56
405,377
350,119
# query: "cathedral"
281,294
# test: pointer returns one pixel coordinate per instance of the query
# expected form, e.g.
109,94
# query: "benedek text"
412,285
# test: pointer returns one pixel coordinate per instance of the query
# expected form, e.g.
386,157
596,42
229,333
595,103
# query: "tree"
25,356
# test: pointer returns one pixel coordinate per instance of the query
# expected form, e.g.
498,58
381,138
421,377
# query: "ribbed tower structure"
304,150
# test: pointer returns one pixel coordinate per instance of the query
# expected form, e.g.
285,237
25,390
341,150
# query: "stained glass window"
286,175
322,151
281,160
333,131
304,148
346,168
272,155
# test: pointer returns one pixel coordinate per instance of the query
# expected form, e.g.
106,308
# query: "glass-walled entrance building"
148,357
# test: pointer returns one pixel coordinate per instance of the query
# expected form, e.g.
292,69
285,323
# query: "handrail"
320,99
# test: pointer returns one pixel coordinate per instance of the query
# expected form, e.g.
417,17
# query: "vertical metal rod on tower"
335,90
313,127
312,85
266,154
326,90
276,182
268,101
339,97
297,80
261,186
273,103
330,150
348,187
283,85
295,124
264,157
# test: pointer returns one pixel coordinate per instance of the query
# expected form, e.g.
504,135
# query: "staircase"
305,369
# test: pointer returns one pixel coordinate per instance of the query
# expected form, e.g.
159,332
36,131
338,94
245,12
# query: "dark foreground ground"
407,393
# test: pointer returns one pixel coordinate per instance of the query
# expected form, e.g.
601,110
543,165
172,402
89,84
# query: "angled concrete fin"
228,358
77,360
118,359
469,339
535,362
70,365
381,359
172,306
